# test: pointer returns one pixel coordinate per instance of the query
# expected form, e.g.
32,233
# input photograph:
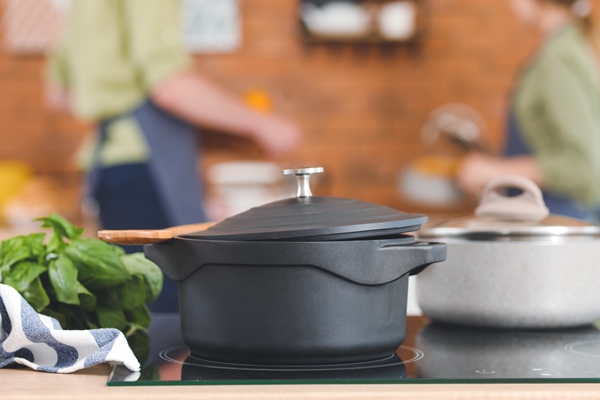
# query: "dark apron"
165,191
516,146
172,165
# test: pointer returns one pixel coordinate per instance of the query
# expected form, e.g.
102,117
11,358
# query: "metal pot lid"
505,216
305,217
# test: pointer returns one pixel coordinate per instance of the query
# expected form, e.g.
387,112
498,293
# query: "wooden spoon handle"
150,236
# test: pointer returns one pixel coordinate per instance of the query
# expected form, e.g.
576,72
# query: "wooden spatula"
149,236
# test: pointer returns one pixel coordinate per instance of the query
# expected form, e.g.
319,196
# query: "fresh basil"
21,248
61,227
83,283
36,295
139,316
126,296
87,300
63,278
23,274
98,264
110,318
137,264
140,344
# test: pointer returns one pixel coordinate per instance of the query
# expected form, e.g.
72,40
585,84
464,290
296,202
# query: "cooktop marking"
418,354
575,348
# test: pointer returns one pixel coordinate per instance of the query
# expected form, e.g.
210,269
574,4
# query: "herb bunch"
83,283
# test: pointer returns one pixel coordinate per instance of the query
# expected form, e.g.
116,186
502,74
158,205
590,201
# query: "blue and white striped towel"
39,342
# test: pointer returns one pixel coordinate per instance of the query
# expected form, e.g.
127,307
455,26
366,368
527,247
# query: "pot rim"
492,229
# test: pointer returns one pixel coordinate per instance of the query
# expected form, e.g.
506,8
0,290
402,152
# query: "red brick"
361,108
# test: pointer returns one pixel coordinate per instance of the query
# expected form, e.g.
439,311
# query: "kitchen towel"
38,341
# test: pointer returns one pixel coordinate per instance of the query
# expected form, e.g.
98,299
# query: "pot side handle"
149,236
419,254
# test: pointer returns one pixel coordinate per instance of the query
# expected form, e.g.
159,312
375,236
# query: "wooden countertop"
20,383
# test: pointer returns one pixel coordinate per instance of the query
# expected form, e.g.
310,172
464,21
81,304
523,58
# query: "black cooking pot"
392,369
299,281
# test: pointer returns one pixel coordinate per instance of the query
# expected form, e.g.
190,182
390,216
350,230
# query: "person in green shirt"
554,123
122,63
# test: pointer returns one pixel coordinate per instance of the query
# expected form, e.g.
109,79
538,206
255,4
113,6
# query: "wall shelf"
371,36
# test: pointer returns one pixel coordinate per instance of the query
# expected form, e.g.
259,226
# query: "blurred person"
122,63
553,132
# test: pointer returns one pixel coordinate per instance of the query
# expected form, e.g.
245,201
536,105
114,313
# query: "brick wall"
361,108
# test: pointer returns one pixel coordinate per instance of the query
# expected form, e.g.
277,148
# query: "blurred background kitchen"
388,97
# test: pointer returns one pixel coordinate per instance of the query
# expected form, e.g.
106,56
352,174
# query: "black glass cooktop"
431,353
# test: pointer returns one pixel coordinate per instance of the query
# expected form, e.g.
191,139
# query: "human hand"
276,135
477,169
57,98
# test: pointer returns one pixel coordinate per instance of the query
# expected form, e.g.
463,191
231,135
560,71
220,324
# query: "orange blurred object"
39,197
258,100
438,165
14,175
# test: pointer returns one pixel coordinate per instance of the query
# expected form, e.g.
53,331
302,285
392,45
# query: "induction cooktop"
431,353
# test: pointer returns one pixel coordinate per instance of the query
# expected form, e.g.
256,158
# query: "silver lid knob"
303,179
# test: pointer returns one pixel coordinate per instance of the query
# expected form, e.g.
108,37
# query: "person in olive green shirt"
554,125
122,63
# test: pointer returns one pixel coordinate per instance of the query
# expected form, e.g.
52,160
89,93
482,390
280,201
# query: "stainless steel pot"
514,266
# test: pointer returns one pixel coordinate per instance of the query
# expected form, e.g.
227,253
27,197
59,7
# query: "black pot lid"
313,218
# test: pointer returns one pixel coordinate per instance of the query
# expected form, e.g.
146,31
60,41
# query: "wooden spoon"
150,236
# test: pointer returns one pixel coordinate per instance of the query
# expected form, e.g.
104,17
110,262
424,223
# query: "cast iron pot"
300,281
513,265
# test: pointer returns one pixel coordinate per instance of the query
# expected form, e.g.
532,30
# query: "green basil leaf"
98,265
55,244
109,318
125,296
60,317
23,274
35,242
139,316
36,295
139,342
138,264
117,250
13,251
63,278
61,226
75,317
87,300
90,322
21,248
